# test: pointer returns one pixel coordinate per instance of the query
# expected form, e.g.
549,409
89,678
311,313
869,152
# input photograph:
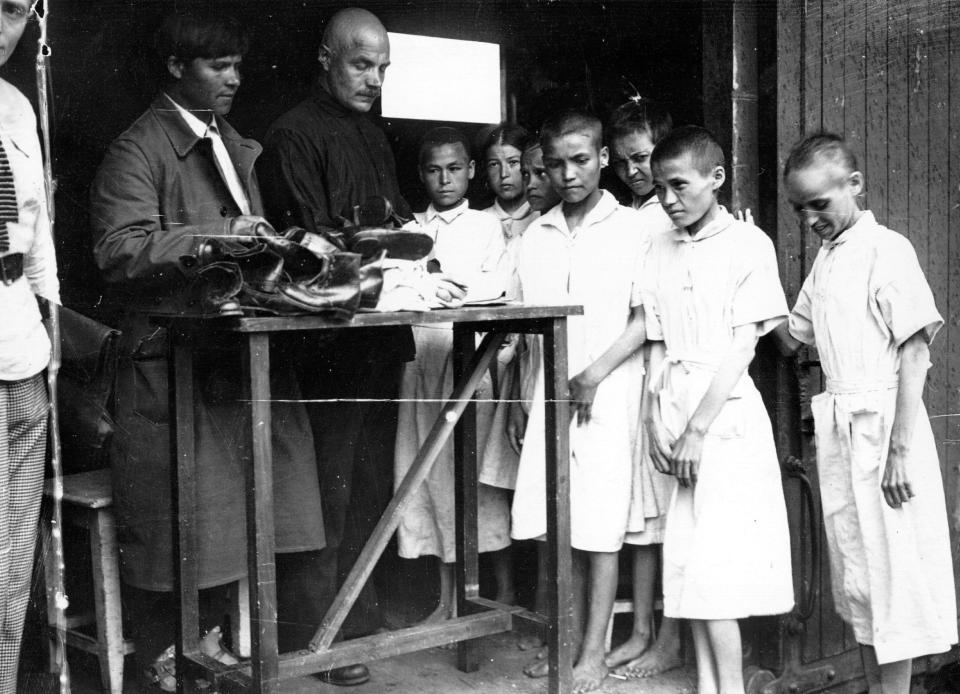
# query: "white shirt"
227,170
469,246
24,346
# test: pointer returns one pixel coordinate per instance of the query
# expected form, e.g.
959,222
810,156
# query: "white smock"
891,568
498,460
726,550
593,265
651,489
468,245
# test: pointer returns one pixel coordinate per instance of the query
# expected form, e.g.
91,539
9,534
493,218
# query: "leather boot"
335,292
213,292
371,282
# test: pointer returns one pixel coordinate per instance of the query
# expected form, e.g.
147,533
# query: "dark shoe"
404,245
345,676
336,293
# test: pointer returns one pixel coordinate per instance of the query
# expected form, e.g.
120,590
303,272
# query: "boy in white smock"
867,307
710,290
470,251
584,251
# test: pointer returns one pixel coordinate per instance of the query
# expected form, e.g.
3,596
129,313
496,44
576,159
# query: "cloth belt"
11,268
658,378
839,386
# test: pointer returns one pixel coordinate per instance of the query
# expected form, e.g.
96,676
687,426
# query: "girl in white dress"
867,307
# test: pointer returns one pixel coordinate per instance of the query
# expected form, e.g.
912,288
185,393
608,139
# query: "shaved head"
353,27
354,57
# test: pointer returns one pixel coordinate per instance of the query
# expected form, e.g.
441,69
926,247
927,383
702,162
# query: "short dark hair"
569,121
824,145
438,137
639,115
698,142
200,34
510,134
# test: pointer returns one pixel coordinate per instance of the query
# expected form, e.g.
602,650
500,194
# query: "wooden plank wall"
886,74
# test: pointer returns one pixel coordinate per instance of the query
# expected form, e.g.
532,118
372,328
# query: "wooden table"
477,616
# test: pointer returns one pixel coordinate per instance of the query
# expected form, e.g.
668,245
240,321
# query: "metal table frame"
477,616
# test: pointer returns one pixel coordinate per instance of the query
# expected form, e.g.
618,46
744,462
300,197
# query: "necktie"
8,200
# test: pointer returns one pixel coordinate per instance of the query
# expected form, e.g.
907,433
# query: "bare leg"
724,635
889,678
590,670
448,599
707,679
530,641
646,562
538,667
664,654
503,571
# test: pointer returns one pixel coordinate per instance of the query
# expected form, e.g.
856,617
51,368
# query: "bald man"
320,159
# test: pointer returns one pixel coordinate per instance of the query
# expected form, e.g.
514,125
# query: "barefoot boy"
867,307
710,290
584,251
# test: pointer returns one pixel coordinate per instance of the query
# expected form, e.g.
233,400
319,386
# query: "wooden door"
886,75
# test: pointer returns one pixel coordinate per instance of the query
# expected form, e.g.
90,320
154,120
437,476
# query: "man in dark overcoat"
177,178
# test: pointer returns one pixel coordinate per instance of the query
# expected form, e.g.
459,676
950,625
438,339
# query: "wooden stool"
87,502
619,607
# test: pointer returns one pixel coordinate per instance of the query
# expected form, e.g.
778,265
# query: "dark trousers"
354,432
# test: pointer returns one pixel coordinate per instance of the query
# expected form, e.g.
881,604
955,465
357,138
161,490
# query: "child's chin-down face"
824,198
446,174
573,164
686,193
539,190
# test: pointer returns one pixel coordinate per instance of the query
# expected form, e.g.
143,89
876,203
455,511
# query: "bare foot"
538,667
652,662
210,645
629,650
441,614
528,642
589,675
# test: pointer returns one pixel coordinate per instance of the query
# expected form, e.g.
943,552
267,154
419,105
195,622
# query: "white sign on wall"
442,79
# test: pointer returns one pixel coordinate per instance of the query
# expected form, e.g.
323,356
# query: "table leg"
260,530
184,496
557,425
465,471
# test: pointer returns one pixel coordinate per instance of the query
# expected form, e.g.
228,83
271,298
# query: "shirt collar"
863,225
606,206
649,202
197,126
520,213
446,215
723,220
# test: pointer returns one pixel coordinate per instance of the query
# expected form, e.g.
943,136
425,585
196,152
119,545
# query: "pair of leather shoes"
345,676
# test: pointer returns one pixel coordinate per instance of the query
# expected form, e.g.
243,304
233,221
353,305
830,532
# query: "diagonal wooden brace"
440,433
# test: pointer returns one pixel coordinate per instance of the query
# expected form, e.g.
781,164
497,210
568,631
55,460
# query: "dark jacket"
156,197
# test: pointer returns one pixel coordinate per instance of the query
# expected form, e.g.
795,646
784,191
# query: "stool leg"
242,623
50,580
106,586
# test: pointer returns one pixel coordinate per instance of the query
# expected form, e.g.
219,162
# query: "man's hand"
583,389
516,426
243,229
895,484
686,457
449,292
659,449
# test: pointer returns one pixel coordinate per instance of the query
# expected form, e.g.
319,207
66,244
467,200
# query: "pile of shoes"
296,273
